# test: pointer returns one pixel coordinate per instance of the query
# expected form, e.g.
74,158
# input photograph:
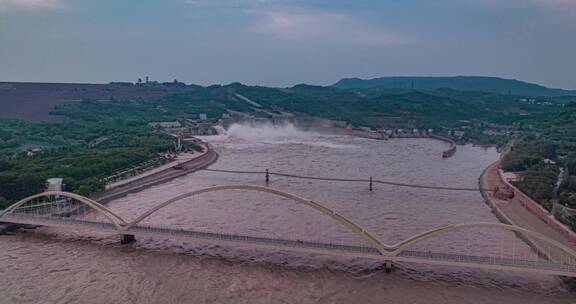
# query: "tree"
570,184
5,166
4,203
568,199
90,186
572,221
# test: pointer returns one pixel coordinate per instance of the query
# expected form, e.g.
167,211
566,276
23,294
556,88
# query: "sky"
286,42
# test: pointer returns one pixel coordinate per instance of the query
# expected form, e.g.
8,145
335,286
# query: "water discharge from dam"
265,132
51,265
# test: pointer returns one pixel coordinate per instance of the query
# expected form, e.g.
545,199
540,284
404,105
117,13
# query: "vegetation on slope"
462,83
442,110
98,138
550,137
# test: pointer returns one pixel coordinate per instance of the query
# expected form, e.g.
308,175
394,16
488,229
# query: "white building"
165,125
54,184
458,133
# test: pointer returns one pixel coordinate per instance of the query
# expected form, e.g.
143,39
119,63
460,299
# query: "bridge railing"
256,239
491,260
414,255
50,207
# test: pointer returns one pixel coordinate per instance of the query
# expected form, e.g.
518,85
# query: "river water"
55,266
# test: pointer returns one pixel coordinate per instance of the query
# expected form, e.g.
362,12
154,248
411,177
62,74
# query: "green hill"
463,83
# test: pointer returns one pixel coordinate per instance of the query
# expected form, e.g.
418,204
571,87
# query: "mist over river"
49,265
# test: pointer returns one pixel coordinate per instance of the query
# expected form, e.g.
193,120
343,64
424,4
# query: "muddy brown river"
49,265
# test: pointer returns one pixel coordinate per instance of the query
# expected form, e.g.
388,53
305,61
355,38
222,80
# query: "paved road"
157,178
516,214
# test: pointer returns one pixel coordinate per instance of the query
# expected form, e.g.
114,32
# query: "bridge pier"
388,266
370,186
8,227
127,239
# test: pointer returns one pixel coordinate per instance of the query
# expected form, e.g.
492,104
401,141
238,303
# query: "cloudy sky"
285,42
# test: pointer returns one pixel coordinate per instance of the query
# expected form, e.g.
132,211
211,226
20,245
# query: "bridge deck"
482,262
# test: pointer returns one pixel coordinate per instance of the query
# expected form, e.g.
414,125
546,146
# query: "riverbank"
165,173
450,152
521,210
377,135
381,136
181,158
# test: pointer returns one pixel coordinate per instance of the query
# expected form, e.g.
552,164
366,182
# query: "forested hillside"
462,83
96,138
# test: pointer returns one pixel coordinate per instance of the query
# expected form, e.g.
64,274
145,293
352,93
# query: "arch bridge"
65,209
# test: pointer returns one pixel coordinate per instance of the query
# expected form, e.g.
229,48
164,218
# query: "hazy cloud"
566,6
30,4
231,3
325,27
314,41
557,3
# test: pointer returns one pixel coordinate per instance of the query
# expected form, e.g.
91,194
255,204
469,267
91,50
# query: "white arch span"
398,247
357,229
111,216
383,248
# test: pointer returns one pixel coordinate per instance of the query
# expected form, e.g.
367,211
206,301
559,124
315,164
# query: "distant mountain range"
463,83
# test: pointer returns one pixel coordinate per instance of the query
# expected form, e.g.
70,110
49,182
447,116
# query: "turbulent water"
52,266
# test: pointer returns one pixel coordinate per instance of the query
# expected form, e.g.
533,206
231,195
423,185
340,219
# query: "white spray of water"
267,132
220,130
